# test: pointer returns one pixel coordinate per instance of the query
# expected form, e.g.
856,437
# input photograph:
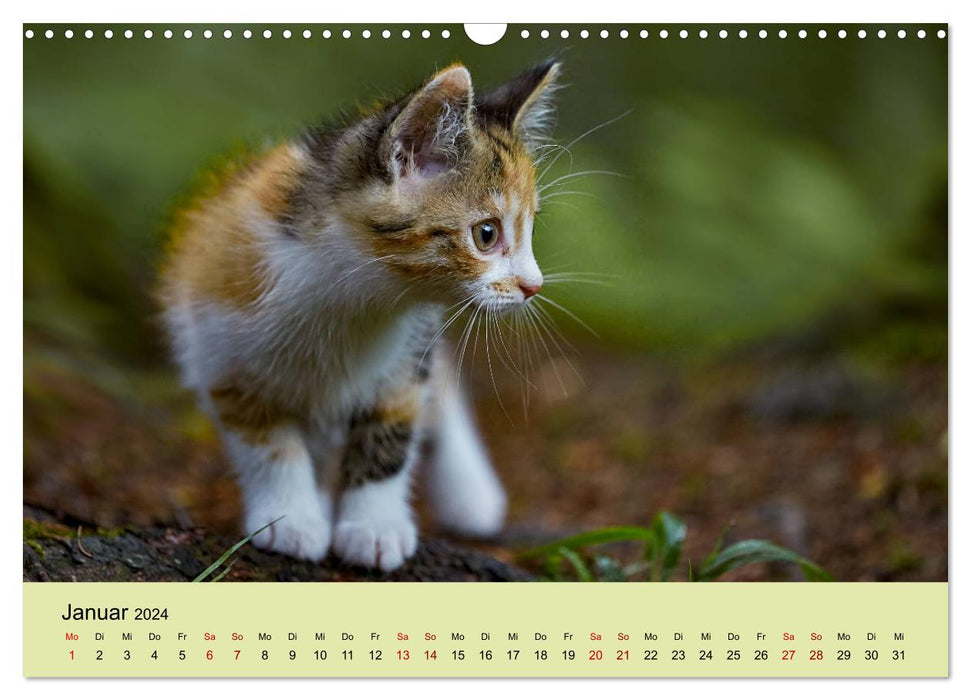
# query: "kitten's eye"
486,234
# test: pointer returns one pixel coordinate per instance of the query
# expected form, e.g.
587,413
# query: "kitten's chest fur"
329,363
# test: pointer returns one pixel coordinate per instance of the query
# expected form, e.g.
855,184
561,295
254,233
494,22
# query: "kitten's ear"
426,136
524,105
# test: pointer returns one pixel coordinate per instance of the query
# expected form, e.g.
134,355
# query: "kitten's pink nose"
529,289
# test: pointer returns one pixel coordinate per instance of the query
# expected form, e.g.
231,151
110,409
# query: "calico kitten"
304,299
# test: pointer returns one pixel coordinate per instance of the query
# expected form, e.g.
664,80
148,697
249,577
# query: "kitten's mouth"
505,304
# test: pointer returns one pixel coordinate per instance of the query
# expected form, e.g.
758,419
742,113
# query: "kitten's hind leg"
276,477
375,526
463,489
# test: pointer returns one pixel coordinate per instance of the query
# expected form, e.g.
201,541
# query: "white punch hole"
485,34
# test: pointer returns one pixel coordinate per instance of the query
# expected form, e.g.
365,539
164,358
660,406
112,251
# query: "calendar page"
526,350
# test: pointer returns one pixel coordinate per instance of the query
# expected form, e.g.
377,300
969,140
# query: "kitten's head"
447,195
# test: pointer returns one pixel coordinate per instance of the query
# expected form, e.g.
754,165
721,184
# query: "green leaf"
230,552
669,537
754,551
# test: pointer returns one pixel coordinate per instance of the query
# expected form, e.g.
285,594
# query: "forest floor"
845,465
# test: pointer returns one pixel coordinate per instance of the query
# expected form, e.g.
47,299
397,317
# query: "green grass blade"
576,561
231,551
586,539
814,572
718,546
551,567
222,574
755,551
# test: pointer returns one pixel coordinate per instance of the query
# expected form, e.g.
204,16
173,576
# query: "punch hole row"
446,34
724,34
245,34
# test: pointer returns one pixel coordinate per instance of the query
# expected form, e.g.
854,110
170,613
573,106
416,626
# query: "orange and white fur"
305,292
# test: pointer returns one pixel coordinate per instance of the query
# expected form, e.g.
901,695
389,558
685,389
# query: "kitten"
304,299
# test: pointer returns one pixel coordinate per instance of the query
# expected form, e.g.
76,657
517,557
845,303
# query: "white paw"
383,543
303,534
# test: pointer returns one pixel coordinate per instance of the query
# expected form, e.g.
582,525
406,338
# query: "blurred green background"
772,252
765,184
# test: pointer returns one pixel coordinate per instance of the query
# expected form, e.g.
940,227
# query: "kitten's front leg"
276,477
375,526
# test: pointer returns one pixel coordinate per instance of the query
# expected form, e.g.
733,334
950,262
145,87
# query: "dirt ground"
54,552
846,466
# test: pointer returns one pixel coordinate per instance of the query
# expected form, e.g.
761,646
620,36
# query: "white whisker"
573,176
508,361
492,375
564,193
527,360
552,324
571,205
531,314
568,313
576,273
361,267
580,138
574,280
438,334
546,325
400,296
465,342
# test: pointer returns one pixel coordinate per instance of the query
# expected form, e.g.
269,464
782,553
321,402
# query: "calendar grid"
532,629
